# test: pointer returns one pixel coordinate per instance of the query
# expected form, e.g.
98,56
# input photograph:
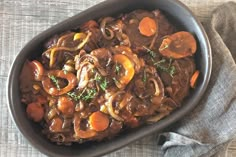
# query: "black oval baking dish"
179,14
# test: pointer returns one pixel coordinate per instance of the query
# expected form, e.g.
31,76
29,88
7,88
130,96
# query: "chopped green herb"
170,62
55,81
73,96
170,69
144,76
117,68
152,53
81,94
104,84
97,77
90,94
160,62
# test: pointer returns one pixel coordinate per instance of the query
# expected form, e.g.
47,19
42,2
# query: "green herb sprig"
144,76
117,68
73,96
85,95
104,84
54,80
90,94
151,53
170,69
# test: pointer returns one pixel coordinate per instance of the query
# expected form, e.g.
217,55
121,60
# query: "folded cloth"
213,122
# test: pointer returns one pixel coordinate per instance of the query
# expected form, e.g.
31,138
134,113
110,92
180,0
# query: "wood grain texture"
20,21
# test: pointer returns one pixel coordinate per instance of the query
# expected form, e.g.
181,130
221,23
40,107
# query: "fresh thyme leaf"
144,76
81,94
160,62
54,80
170,62
152,53
104,84
97,77
90,94
163,68
73,96
152,60
117,68
170,69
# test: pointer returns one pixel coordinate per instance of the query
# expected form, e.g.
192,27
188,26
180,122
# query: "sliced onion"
89,57
153,41
82,74
104,28
82,133
52,113
59,138
53,53
157,117
157,89
110,106
126,99
64,37
102,54
85,40
123,38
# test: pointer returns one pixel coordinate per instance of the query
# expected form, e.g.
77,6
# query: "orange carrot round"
66,105
147,26
35,111
178,45
98,121
194,78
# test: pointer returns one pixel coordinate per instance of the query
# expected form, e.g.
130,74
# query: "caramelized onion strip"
110,108
104,28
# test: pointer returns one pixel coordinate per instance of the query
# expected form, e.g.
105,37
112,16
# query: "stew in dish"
109,75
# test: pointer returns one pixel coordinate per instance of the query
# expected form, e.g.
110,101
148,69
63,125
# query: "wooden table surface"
20,21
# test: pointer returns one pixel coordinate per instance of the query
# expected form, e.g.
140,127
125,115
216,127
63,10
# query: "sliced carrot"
35,111
98,121
147,26
194,78
178,45
66,105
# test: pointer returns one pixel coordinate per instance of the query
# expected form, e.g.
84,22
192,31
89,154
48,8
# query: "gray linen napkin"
213,122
